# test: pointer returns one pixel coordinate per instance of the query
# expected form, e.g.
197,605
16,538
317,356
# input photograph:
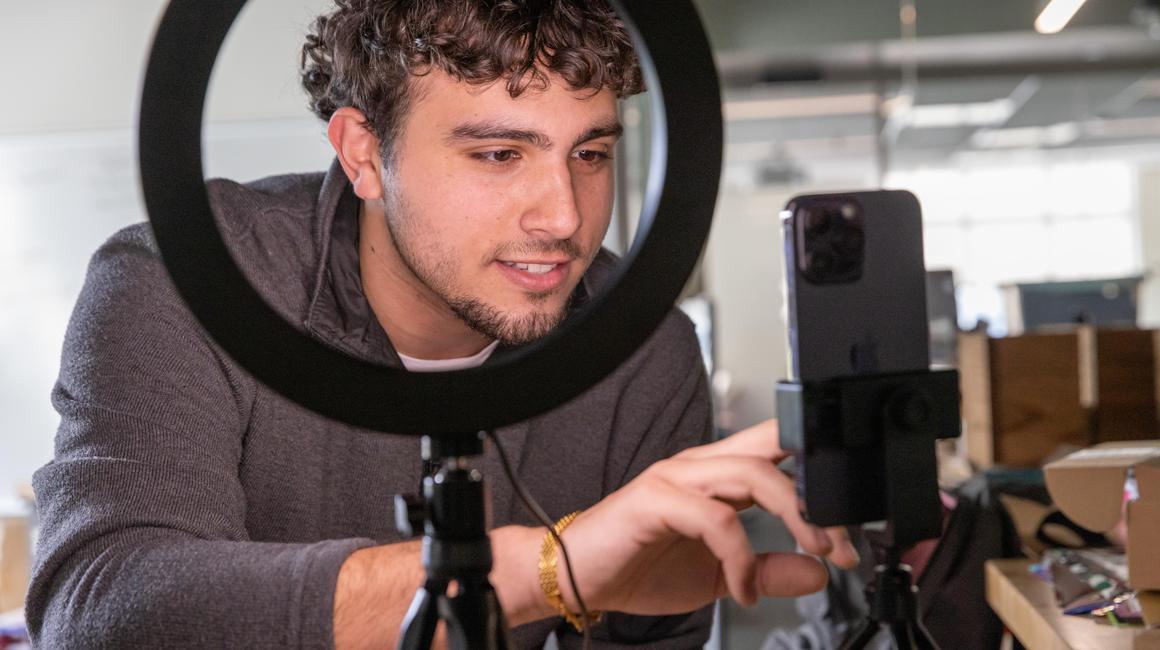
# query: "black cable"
538,512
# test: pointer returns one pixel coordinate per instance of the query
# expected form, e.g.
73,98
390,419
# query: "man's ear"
358,152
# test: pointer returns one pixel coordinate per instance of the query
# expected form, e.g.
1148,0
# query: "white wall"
743,274
68,178
77,64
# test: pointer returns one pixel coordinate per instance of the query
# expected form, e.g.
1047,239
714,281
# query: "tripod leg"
910,635
474,618
422,617
903,635
922,639
861,636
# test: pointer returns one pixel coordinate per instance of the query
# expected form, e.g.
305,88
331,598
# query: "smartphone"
855,284
855,288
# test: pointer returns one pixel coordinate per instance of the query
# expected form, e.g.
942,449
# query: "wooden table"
1027,606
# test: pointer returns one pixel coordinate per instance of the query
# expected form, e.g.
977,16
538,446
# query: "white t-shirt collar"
447,365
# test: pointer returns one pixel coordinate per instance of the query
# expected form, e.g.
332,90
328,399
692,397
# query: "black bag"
952,597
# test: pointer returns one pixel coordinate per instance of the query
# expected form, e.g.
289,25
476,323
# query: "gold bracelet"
548,578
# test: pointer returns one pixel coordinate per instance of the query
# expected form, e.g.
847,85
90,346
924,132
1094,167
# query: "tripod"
893,600
456,549
865,450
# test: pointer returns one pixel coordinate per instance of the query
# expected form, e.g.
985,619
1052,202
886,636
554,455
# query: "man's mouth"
537,269
538,276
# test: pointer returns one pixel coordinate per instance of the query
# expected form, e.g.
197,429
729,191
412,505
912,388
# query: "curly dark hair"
365,52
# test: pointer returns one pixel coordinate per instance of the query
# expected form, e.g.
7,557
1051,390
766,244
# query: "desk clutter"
1094,583
1097,541
1114,488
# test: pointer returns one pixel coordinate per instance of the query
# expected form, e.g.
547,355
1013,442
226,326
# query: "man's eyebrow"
497,131
614,129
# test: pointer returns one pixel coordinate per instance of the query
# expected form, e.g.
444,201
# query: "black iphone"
855,285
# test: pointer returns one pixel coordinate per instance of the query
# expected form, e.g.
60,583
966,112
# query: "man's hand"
670,541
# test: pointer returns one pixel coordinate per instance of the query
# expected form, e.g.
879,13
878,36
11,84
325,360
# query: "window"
1028,222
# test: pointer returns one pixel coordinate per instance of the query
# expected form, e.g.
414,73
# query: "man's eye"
500,156
591,156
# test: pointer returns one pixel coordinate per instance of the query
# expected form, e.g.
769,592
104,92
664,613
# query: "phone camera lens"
818,221
821,262
831,240
850,241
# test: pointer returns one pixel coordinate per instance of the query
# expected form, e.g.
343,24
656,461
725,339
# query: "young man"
188,505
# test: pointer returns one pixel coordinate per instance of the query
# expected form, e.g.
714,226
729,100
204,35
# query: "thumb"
789,574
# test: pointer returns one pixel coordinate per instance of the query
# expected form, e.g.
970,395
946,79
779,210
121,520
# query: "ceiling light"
772,109
1031,137
940,116
1056,15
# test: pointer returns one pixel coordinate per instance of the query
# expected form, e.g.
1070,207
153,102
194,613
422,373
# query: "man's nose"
553,213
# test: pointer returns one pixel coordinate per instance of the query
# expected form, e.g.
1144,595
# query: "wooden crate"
1127,384
1025,397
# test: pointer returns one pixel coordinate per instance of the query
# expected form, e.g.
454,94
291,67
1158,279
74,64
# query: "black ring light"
678,209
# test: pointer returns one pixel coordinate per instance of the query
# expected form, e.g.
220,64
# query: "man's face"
496,205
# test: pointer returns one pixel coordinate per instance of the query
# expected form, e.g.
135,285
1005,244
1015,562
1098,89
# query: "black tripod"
455,548
865,452
893,600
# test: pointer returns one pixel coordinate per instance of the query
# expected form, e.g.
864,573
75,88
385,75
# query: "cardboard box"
1088,486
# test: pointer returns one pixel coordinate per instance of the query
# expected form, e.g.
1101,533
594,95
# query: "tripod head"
456,548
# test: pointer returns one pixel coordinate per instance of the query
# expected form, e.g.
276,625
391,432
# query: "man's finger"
759,440
737,479
789,574
717,526
844,554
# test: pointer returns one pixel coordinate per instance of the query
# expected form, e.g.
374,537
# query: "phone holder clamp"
865,451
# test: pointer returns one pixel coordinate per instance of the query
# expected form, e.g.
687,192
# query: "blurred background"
1036,157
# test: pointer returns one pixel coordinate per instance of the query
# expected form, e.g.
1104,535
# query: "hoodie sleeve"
143,540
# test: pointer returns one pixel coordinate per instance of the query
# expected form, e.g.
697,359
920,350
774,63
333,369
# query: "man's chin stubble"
509,330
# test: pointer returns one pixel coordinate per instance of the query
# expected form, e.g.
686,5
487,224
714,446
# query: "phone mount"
456,548
865,451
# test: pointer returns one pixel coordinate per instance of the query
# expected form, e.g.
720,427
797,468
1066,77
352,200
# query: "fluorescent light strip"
939,116
1029,137
772,109
1056,15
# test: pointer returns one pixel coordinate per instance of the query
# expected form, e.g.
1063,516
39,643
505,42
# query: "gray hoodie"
188,505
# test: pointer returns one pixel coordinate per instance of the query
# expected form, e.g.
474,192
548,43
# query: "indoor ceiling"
825,80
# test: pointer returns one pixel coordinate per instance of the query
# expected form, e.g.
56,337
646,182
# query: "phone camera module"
850,242
818,221
831,242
